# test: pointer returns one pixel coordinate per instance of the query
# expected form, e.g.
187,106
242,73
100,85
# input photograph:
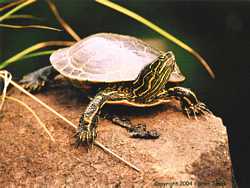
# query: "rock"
189,152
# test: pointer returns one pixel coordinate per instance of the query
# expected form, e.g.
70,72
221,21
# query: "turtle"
126,70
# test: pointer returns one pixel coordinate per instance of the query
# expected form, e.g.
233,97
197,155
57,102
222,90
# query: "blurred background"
219,31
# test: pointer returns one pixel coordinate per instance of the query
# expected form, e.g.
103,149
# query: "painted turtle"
130,72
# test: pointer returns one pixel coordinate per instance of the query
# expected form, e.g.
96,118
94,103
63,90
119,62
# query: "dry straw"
6,77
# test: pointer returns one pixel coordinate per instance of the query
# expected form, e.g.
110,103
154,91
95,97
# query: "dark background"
219,31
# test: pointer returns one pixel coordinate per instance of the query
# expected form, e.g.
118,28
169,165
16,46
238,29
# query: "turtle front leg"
86,133
189,103
36,80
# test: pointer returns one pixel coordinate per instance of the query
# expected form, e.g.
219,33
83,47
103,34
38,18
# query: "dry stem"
69,122
34,114
62,22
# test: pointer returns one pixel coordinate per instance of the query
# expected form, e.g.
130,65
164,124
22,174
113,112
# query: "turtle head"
167,65
154,76
168,58
175,76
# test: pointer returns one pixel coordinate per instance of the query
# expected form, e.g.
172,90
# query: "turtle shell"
107,58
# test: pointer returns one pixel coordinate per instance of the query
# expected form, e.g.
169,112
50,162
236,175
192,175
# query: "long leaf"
36,54
32,49
66,26
11,3
12,11
22,16
29,26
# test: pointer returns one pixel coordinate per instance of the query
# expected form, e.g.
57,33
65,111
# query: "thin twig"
7,77
117,156
42,103
69,122
34,114
6,80
62,22
29,27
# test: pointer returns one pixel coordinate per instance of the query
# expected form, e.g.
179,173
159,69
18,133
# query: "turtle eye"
167,55
163,56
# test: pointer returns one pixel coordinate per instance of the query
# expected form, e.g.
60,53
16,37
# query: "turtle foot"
196,110
31,84
85,136
135,131
36,80
140,131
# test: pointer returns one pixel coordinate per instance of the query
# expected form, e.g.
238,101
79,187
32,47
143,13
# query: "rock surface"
189,153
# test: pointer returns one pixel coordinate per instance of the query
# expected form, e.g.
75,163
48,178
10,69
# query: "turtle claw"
36,80
196,110
85,136
32,85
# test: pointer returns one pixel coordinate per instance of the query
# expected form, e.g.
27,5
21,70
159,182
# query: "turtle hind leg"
135,131
36,80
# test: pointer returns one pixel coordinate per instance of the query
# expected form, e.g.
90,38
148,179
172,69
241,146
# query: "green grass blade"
5,1
33,48
29,26
36,54
23,16
12,11
10,4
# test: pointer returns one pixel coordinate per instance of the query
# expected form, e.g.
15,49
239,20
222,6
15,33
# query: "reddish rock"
191,152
